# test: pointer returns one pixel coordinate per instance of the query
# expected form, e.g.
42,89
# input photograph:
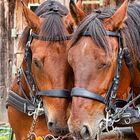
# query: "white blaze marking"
83,48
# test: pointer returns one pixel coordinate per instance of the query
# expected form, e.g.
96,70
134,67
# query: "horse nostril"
50,125
85,132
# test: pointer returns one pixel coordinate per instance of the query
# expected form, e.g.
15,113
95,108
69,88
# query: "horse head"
49,65
93,57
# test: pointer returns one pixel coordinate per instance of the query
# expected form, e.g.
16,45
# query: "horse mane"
53,27
94,26
132,31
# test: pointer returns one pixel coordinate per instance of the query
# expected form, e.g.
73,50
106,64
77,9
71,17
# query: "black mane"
93,24
52,25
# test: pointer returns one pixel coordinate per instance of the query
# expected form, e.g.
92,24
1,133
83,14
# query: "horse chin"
54,127
59,131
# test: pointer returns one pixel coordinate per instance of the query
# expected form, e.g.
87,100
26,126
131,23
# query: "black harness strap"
82,92
19,103
59,93
113,34
111,94
56,38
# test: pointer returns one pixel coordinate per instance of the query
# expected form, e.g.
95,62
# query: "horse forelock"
52,27
94,26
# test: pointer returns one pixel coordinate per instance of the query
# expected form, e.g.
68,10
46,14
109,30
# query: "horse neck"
127,81
136,79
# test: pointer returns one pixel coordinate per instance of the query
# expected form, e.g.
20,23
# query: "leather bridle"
111,93
62,93
29,104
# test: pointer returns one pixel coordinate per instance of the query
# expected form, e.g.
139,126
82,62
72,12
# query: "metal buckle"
24,107
39,110
29,41
138,107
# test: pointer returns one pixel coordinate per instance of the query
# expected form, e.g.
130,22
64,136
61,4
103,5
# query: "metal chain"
31,132
35,114
112,118
122,110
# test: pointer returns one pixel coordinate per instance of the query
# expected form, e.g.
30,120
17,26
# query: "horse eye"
103,65
38,63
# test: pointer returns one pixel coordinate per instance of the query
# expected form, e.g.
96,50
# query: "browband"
56,38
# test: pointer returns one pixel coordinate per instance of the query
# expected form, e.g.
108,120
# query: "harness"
115,115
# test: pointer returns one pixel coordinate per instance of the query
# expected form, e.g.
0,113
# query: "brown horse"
100,66
45,75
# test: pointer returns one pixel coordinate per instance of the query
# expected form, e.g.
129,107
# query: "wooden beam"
100,2
125,133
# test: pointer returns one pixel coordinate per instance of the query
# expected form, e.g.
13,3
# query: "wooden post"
3,42
6,52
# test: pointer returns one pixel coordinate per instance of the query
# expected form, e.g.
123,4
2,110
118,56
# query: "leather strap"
109,33
82,92
57,38
19,103
59,93
113,34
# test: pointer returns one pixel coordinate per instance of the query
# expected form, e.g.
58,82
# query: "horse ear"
76,11
32,19
79,4
116,22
